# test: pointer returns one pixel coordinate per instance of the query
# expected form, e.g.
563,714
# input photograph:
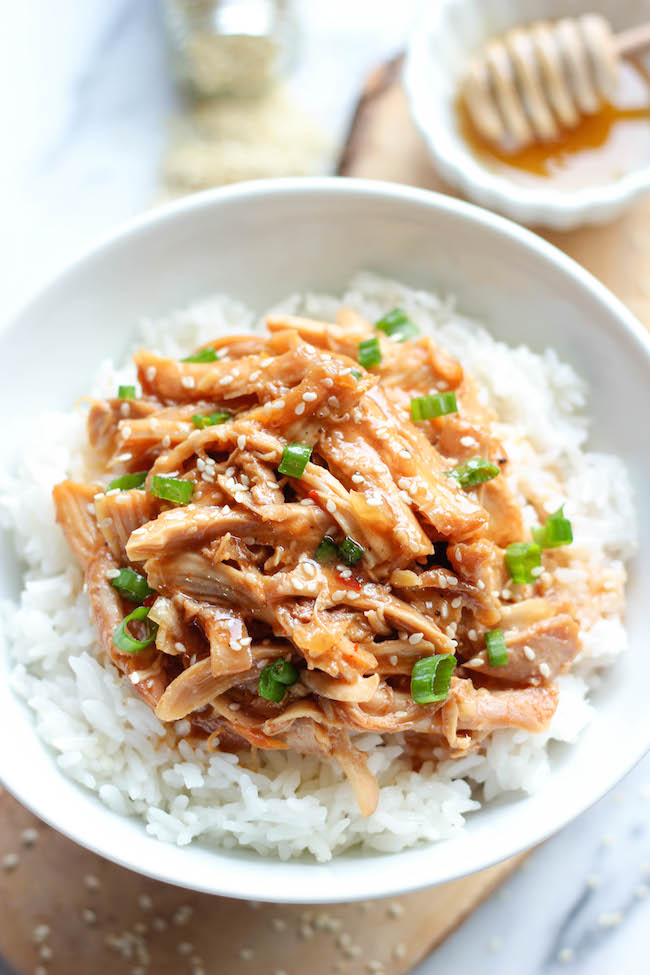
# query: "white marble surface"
85,97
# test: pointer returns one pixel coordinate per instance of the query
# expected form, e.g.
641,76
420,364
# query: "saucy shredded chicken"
288,549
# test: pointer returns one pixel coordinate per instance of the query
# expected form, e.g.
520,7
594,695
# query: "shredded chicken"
344,576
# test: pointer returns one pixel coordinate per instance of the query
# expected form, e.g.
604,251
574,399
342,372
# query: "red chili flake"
350,582
316,499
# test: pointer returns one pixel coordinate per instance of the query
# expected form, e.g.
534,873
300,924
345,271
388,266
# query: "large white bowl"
448,32
260,241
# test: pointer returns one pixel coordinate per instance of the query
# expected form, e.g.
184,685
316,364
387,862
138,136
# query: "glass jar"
230,47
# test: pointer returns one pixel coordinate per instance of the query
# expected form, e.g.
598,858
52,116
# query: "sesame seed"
529,653
278,924
91,882
472,634
309,397
469,442
246,954
393,660
145,903
328,382
10,861
45,952
416,638
278,405
331,506
545,670
565,955
226,380
241,441
88,915
185,948
358,478
126,432
455,603
475,662
495,944
641,892
41,933
593,881
536,572
404,453
609,919
480,584
395,909
399,951
159,924
150,373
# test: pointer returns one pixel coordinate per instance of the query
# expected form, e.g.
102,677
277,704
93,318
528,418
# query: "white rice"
109,741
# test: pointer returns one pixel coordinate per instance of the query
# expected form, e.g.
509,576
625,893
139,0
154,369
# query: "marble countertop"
86,98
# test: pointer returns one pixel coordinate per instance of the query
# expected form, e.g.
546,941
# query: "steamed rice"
109,741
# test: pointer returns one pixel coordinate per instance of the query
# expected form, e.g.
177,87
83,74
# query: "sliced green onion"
210,419
128,481
283,671
275,678
126,392
171,489
350,551
355,374
397,325
295,458
128,644
429,407
522,559
555,532
132,585
474,471
327,550
496,648
369,353
205,355
431,678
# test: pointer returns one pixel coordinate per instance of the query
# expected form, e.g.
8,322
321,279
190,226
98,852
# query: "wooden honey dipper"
536,80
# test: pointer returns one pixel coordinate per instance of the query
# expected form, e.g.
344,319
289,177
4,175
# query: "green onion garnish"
555,532
429,407
522,559
126,392
350,551
205,355
132,585
369,353
397,325
128,644
327,550
355,374
474,471
128,481
171,489
294,459
275,678
431,678
210,419
496,648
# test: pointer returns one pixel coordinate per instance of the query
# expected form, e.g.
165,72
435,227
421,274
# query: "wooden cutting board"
65,911
73,913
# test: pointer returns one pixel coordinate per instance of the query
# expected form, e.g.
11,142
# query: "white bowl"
260,241
448,32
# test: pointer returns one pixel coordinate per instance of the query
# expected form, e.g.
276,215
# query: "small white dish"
259,242
448,32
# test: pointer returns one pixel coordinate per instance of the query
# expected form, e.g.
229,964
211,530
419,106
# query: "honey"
603,147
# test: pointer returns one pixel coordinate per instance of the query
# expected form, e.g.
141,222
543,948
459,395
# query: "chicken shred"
236,578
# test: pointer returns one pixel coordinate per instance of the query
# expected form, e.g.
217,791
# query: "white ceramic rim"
460,168
251,877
